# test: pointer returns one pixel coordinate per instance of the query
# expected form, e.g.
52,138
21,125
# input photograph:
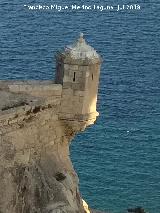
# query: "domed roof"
81,50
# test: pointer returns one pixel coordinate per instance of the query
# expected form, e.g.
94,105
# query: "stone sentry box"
75,87
78,70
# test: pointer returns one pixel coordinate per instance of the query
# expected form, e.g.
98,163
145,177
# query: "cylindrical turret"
78,69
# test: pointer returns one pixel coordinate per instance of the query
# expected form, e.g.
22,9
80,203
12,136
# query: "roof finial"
81,35
81,39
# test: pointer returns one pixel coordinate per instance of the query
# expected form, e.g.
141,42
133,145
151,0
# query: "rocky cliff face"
36,173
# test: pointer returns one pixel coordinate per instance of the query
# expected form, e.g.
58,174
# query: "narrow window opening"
74,77
92,76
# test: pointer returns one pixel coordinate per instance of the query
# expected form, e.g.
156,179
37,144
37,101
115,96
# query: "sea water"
118,158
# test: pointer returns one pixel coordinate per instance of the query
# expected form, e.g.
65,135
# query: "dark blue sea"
118,158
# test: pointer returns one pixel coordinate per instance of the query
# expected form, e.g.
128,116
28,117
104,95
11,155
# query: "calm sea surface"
117,159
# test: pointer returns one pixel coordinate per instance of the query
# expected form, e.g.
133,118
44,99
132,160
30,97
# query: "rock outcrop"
136,210
36,174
